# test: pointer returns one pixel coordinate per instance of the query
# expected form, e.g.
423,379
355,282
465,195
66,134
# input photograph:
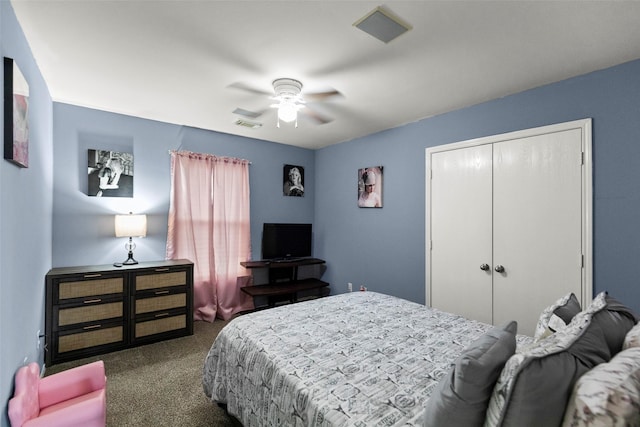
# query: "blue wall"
25,220
385,248
381,248
83,230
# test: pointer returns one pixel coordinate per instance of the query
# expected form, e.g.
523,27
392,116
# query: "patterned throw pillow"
462,396
557,316
535,384
607,395
633,338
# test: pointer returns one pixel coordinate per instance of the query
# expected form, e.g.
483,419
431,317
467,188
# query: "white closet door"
461,232
537,227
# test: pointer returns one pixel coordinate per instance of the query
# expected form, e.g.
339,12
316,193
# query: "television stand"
281,260
283,280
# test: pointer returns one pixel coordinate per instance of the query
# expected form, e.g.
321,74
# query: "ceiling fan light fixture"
287,110
289,100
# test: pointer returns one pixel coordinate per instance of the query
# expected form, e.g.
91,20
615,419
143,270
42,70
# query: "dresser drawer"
89,313
90,337
162,323
160,280
88,287
159,303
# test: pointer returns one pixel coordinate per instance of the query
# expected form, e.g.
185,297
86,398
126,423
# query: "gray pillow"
535,384
567,311
462,396
558,314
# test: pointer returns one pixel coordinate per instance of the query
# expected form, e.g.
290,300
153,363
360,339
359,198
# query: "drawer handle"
162,269
91,327
161,292
162,314
89,276
91,301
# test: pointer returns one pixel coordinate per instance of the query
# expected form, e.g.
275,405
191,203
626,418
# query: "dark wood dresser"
97,309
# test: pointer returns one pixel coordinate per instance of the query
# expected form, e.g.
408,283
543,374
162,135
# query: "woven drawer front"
147,305
90,313
86,288
163,280
161,325
89,339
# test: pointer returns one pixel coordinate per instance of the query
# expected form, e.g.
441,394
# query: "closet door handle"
485,267
499,268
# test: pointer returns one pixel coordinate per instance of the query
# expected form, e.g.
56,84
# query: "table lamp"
130,226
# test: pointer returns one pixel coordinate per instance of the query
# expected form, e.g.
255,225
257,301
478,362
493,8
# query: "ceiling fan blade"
248,88
322,96
315,116
251,114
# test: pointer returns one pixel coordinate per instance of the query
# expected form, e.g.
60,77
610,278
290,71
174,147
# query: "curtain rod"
208,155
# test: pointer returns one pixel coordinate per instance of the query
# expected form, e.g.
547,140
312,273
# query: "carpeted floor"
160,384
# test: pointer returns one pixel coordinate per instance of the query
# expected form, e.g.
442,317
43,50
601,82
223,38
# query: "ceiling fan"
290,101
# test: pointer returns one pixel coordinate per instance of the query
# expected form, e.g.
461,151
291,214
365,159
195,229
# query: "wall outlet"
350,287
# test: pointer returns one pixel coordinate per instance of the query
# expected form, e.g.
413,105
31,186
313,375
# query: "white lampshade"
131,225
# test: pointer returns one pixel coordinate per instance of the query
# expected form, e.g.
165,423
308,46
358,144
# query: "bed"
356,359
359,358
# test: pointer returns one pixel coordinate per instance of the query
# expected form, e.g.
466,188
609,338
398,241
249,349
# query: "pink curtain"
209,225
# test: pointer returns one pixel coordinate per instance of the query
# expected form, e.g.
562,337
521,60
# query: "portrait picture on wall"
16,115
293,181
370,187
110,173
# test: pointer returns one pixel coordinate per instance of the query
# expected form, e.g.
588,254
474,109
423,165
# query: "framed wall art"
370,187
16,115
293,180
110,173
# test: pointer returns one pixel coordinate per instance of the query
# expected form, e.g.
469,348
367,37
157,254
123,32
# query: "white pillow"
607,395
633,338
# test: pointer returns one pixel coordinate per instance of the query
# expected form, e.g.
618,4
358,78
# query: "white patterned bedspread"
356,359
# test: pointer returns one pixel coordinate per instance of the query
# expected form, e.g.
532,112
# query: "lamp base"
130,260
130,246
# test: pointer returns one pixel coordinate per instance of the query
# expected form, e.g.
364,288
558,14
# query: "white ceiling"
174,61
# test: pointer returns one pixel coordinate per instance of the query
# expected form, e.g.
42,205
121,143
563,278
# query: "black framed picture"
370,187
293,181
16,115
110,173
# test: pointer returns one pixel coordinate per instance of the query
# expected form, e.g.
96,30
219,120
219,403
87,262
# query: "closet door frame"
584,125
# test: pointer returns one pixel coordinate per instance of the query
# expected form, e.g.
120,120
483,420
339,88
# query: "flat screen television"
286,241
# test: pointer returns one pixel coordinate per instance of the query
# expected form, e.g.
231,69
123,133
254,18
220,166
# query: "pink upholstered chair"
75,397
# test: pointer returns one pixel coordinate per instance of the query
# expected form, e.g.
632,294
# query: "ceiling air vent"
382,24
248,124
